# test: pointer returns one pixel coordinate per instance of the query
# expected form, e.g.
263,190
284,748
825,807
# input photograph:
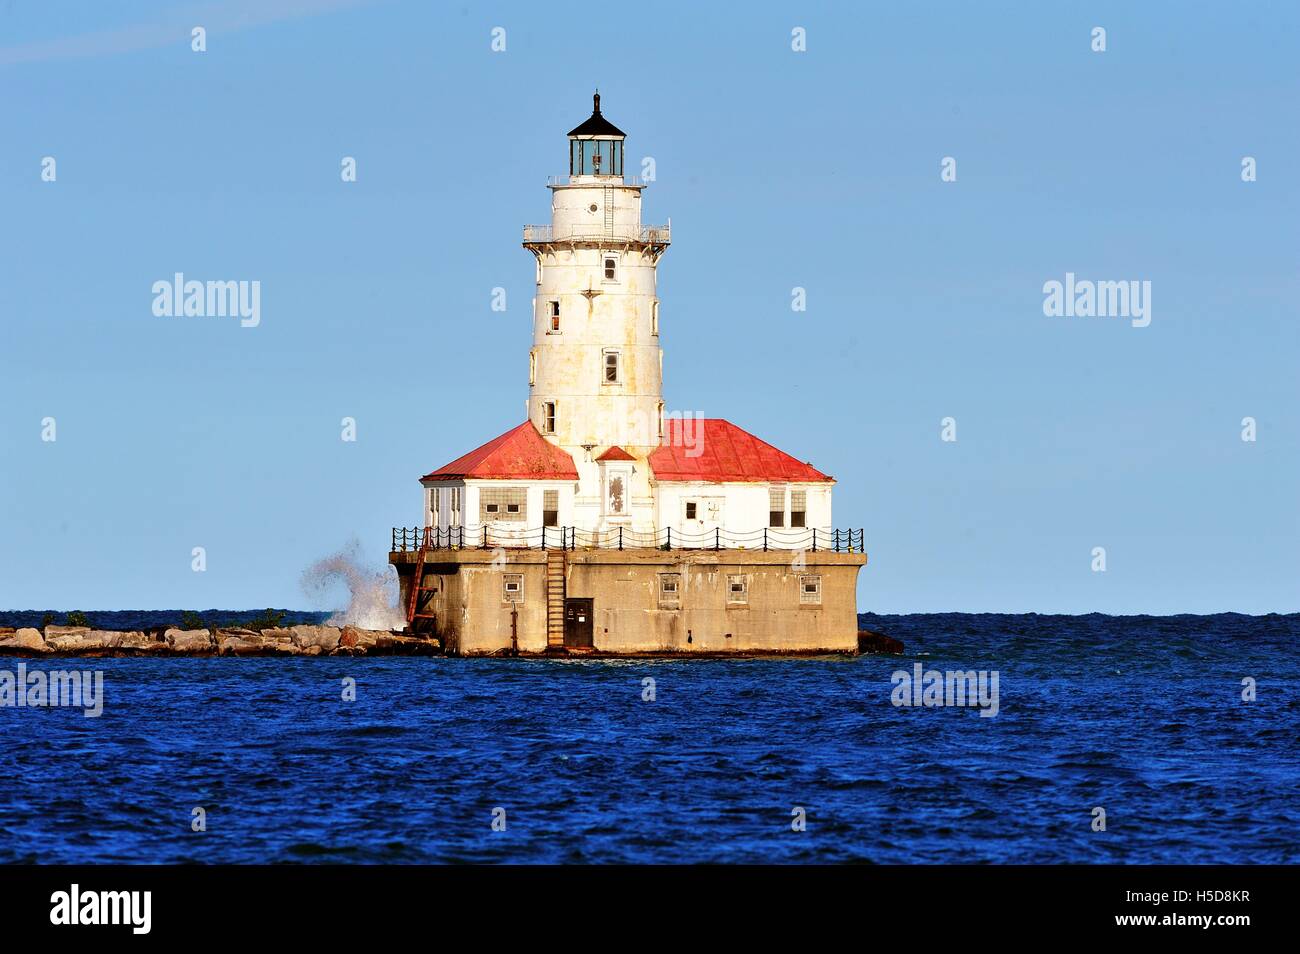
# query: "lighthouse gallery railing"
488,537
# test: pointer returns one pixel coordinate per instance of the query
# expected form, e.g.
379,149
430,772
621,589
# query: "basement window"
810,590
512,588
798,508
669,589
738,588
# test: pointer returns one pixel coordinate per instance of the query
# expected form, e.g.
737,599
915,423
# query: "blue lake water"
1141,716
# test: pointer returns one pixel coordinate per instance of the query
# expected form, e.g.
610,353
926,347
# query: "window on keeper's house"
611,367
776,505
550,508
502,503
798,508
690,509
455,507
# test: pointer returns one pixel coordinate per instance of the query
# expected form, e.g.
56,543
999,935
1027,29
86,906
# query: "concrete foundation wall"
632,615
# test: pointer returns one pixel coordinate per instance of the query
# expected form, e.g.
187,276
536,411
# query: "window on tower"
532,368
611,267
548,417
654,318
553,308
611,367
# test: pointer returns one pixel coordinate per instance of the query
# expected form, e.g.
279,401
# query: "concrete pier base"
640,602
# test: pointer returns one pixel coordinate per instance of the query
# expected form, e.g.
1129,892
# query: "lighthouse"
604,522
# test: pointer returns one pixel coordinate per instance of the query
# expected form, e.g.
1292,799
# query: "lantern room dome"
596,125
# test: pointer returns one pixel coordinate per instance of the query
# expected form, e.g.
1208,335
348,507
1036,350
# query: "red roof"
616,453
520,452
714,450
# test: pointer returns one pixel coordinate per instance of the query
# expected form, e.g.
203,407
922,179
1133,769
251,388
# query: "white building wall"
740,511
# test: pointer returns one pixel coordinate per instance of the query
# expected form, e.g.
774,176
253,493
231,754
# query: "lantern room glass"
595,157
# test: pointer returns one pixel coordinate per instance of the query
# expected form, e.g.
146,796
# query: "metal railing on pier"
491,536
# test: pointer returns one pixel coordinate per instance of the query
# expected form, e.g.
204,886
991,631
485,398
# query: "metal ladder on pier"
554,599
413,614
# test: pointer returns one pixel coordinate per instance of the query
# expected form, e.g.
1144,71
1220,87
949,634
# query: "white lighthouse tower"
596,368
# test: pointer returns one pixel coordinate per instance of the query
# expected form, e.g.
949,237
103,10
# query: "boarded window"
669,589
776,505
738,588
512,588
550,508
798,508
617,493
502,503
810,590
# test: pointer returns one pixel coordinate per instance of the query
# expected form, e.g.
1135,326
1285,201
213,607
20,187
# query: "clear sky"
779,169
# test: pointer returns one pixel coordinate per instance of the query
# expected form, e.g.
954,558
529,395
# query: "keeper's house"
601,523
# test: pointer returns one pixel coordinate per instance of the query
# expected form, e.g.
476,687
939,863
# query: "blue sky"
817,169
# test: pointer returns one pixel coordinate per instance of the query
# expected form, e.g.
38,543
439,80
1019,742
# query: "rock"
358,642
873,642
142,642
7,631
392,644
190,640
312,651
79,639
25,640
239,645
324,637
280,641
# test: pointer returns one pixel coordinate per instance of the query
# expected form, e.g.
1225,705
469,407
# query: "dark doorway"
578,624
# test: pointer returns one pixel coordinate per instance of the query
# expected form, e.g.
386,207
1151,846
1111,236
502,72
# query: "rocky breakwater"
287,641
